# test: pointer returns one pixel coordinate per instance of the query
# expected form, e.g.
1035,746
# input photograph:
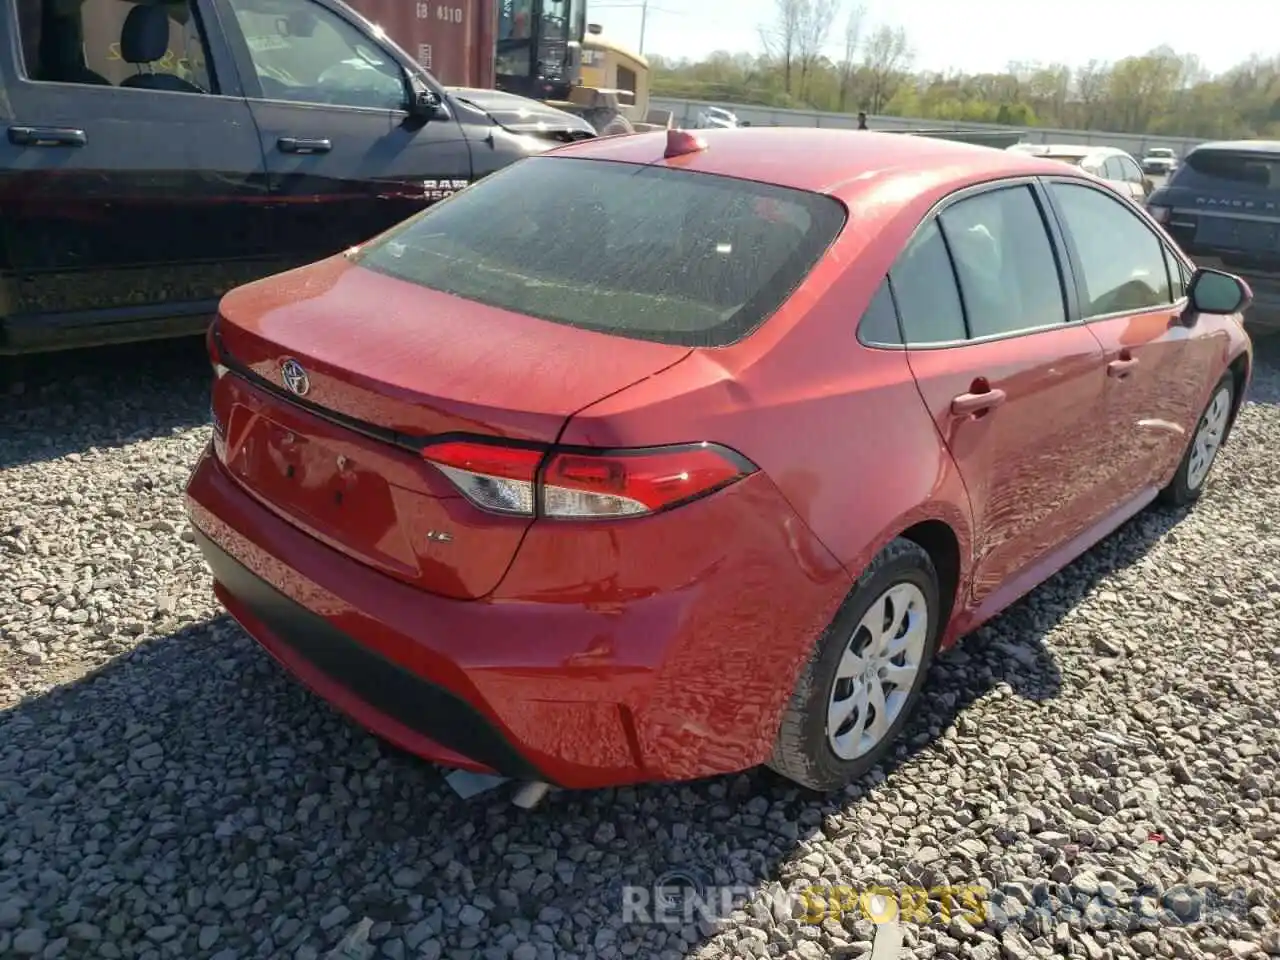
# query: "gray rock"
28,942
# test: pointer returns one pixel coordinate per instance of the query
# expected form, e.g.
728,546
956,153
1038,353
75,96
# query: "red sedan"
658,457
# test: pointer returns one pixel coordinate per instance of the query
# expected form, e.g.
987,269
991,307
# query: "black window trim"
1066,272
1082,293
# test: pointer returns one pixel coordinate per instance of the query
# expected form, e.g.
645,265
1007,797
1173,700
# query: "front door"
1155,372
125,201
344,159
1014,386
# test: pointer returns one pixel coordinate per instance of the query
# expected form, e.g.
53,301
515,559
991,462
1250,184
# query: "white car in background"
717,117
1160,160
1107,163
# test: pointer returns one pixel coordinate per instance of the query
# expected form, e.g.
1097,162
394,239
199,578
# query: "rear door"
345,161
1156,365
123,208
1013,384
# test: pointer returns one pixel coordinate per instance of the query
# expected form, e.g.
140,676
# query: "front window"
643,252
305,53
515,19
1122,260
553,46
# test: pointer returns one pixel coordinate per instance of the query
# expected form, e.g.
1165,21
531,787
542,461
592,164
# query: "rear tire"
1202,450
884,635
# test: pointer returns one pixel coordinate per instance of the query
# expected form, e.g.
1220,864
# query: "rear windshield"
638,251
1227,169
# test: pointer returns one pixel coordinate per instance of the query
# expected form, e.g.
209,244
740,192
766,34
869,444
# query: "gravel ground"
166,791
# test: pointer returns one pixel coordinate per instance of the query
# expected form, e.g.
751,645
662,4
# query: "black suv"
1222,205
159,153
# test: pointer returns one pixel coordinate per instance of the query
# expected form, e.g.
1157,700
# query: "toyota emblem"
295,378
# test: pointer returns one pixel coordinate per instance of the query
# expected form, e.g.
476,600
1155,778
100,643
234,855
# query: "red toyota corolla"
655,458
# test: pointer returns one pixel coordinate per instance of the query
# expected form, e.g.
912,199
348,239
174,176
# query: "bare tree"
1092,83
848,62
885,56
816,19
781,38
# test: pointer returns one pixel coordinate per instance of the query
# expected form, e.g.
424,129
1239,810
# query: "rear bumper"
683,679
418,715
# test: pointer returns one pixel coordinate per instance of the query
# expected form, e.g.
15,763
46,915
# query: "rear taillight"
495,478
1161,214
570,484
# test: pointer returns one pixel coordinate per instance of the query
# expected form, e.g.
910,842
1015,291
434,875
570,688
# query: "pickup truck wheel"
863,678
1211,429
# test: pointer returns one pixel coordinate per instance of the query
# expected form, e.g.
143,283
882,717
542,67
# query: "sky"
971,35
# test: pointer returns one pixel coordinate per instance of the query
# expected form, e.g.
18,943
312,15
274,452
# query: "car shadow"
66,402
221,773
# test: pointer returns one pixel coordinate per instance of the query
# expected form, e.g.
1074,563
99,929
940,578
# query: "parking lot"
166,791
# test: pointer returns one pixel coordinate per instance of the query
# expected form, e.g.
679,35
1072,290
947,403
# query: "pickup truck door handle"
301,145
1121,368
47,137
977,402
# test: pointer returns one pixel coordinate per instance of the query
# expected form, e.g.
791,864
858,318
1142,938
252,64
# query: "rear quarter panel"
839,427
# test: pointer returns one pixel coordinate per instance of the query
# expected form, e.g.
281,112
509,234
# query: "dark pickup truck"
157,154
1222,205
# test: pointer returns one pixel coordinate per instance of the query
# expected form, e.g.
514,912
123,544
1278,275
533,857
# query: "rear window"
644,252
1226,169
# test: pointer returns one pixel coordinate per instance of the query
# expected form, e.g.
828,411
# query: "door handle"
47,137
1121,368
977,402
302,145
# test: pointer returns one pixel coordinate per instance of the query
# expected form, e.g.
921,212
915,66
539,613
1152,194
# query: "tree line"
1158,92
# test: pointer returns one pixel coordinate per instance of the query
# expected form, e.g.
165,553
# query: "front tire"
862,682
1211,430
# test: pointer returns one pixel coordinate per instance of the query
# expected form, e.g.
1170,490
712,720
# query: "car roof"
1251,146
821,160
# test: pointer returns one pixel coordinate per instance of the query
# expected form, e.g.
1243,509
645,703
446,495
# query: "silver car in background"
1106,163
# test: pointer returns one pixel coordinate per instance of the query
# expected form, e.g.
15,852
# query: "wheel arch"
942,529
940,542
1240,369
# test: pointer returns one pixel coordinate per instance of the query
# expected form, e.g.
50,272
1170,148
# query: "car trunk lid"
388,367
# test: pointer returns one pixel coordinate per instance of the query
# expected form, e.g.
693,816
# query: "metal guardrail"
1134,143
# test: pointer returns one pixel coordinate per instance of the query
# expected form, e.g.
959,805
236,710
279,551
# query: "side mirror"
424,103
1148,186
1214,291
